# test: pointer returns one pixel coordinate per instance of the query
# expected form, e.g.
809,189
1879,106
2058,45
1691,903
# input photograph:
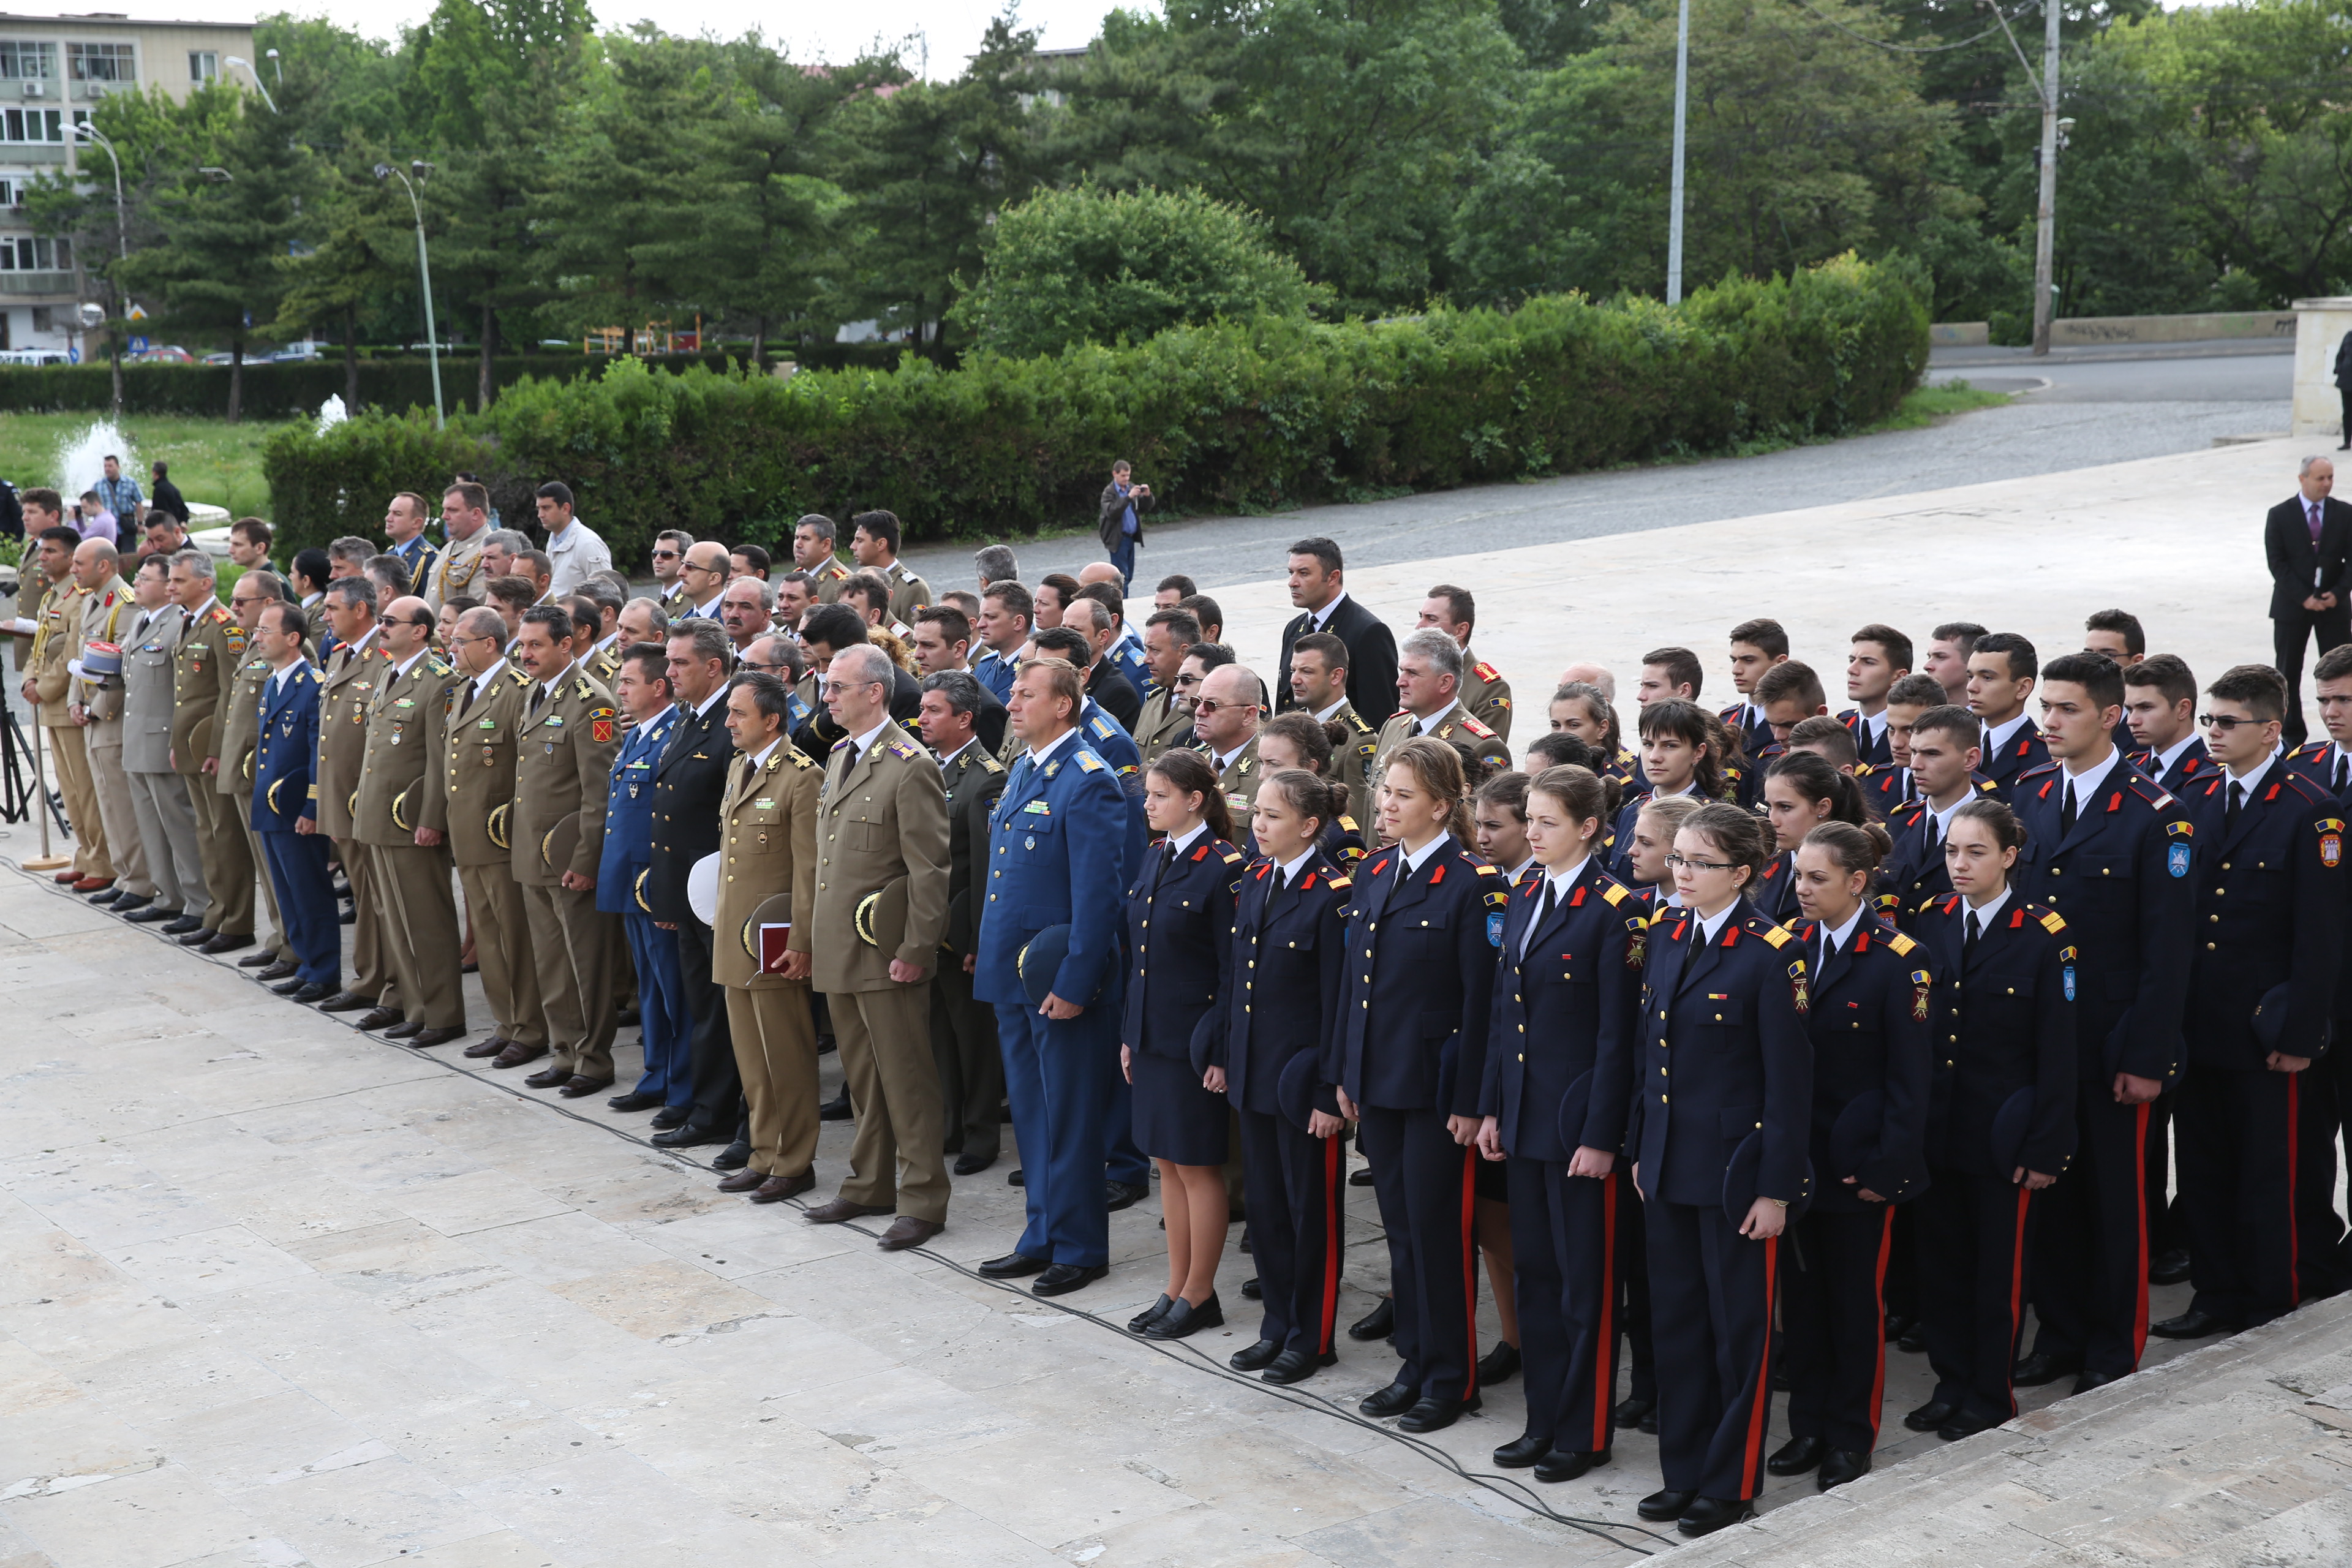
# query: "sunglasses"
2225,723
1210,705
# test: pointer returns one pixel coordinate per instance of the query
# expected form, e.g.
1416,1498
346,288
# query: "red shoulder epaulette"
1485,671
1471,723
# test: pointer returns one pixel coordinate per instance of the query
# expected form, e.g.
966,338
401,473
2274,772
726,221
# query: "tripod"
21,777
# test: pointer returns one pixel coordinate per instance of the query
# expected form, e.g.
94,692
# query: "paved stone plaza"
279,1293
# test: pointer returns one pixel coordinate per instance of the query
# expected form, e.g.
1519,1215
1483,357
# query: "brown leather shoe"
549,1077
840,1209
907,1231
743,1181
380,1018
67,878
489,1048
514,1056
580,1085
92,884
435,1037
776,1189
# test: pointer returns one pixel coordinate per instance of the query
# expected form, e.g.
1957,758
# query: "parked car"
165,354
222,356
34,356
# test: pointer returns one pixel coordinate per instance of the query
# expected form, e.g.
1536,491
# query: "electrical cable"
1999,25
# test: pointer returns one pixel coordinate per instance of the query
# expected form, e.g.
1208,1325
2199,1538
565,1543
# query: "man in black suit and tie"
2304,539
1318,587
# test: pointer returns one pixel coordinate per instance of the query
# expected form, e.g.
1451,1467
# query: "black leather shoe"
1840,1466
349,916
224,942
1521,1453
672,1116
969,1164
1016,1177
1898,1325
1632,1408
308,991
2192,1324
1064,1278
182,924
734,1157
549,1077
1363,1178
1567,1464
632,1100
1377,1324
151,915
1913,1342
1963,1425
1796,1455
2091,1380
425,1039
1296,1366
1183,1318
2169,1267
266,959
278,970
1436,1414
1930,1416
1257,1358
1013,1266
1394,1400
1499,1363
1659,1507
403,1030
107,898
2041,1367
1151,1314
1708,1514
376,1018
1117,1196
1252,1289
688,1136
837,1108
196,937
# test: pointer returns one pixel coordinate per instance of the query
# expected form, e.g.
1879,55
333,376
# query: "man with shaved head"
703,579
1224,722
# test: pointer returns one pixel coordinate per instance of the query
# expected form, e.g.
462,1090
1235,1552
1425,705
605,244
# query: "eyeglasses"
706,571
463,641
1676,862
1210,705
2225,723
755,664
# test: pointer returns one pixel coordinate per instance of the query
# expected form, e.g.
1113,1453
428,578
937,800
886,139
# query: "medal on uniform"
490,756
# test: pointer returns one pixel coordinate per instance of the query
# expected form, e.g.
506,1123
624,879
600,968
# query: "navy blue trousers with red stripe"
1975,1238
1295,1186
1422,1178
1711,1319
1564,1249
1835,1292
2091,1242
2257,1190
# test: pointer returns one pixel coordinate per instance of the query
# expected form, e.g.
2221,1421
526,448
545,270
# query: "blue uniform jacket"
2121,879
996,672
1870,1023
1108,739
2194,765
2269,929
1284,957
1410,1034
1565,1015
2316,763
1180,921
629,817
1056,845
286,753
2004,1032
1723,1054
1912,875
1876,751
1775,892
2020,753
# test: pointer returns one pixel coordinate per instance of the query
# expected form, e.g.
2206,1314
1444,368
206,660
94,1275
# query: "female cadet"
1871,987
1180,915
1720,1129
1295,740
1678,758
1579,709
1801,793
1655,824
1287,947
1567,1002
1498,828
1407,1051
2000,1119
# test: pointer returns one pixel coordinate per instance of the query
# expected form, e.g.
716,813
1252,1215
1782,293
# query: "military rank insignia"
2067,970
1798,988
600,725
1922,988
1637,941
2176,860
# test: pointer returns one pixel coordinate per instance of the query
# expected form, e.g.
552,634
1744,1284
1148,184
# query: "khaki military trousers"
420,932
502,952
372,973
167,828
103,743
775,1052
573,946
228,855
896,1158
70,760
275,938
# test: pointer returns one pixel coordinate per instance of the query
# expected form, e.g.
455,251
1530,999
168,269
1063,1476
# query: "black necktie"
1968,942
1166,860
538,700
1821,959
2343,773
473,689
2066,810
2237,804
1910,788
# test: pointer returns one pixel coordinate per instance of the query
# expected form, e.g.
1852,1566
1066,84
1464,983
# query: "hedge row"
1234,416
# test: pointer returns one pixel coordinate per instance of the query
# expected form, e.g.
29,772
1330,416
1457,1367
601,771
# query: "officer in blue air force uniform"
663,1020
286,804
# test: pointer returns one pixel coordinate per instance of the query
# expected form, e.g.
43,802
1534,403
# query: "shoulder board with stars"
900,750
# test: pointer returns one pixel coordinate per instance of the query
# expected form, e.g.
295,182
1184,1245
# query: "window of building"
12,191
204,65
31,253
101,62
24,59
32,125
44,319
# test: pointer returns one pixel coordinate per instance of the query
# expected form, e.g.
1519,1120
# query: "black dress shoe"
2169,1267
2091,1380
733,1157
108,897
1394,1400
1840,1466
1016,1177
182,924
151,915
1363,1178
130,901
1797,1456
634,1101
1064,1278
1659,1507
2042,1367
1632,1408
1521,1452
626,1018
1930,1416
279,969
196,937
1296,1366
266,959
1183,1318
970,1165
1963,1425
1913,1342
1649,1422
226,943
1567,1464
2192,1324
688,1136
1898,1325
376,1018
1151,1314
1257,1358
1436,1414
1708,1514
672,1116
837,1108
1013,1266
549,1077
305,991
1499,1363
1117,1196
349,916
425,1039
1377,1324
1252,1289
402,1031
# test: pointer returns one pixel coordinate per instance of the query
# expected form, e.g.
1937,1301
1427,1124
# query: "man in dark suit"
1318,587
963,1031
2305,540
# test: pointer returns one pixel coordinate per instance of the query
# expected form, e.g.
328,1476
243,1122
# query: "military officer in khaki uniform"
767,826
466,524
1428,676
881,909
346,690
57,625
401,819
1225,729
963,1031
477,786
240,736
563,763
108,614
1166,636
203,667
813,547
874,540
1485,693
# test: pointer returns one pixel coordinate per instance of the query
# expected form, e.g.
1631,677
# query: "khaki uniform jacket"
908,594
1476,743
407,727
1487,694
767,841
880,819
973,782
346,690
147,691
1158,726
56,630
203,668
829,579
603,663
1351,763
563,763
477,767
240,725
1237,781
108,614
458,573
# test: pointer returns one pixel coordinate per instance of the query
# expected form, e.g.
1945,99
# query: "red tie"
2315,522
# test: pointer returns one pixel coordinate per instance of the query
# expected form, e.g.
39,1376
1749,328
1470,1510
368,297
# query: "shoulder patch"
1902,944
1471,723
1087,762
1770,933
1613,893
990,765
2051,921
1485,671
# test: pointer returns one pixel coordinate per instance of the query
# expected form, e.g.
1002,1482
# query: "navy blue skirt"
1175,1118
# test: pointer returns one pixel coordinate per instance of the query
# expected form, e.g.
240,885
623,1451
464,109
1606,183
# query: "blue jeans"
1123,557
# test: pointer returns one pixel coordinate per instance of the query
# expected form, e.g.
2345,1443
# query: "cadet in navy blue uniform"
1180,921
1407,1052
2327,763
1288,949
2111,852
1721,1108
1678,757
1891,785
1559,1073
1756,646
1297,740
2001,670
286,804
1801,793
2256,1158
1945,750
1055,860
1877,659
1869,1027
641,687
2000,1123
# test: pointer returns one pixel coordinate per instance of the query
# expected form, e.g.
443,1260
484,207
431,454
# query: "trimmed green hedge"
1234,416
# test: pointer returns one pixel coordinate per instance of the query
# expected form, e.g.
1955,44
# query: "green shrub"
1231,417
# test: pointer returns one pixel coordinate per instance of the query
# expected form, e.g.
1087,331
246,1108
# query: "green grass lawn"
1928,404
211,459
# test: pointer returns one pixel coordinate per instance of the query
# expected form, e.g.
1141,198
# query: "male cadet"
2111,852
1428,676
1947,659
400,818
2001,670
51,685
1876,658
477,759
563,763
466,524
767,826
689,786
405,518
1318,683
1669,675
874,540
1786,693
643,691
2119,636
346,691
882,841
1756,646
108,610
167,822
943,643
1055,860
202,666
813,546
283,808
1224,728
1945,750
240,736
2257,1151
2327,763
2160,706
963,1031
669,565
1319,588
1167,636
1891,784
1485,692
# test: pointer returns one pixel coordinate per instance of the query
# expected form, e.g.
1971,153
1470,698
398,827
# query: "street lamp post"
88,130
424,273
1675,198
241,61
